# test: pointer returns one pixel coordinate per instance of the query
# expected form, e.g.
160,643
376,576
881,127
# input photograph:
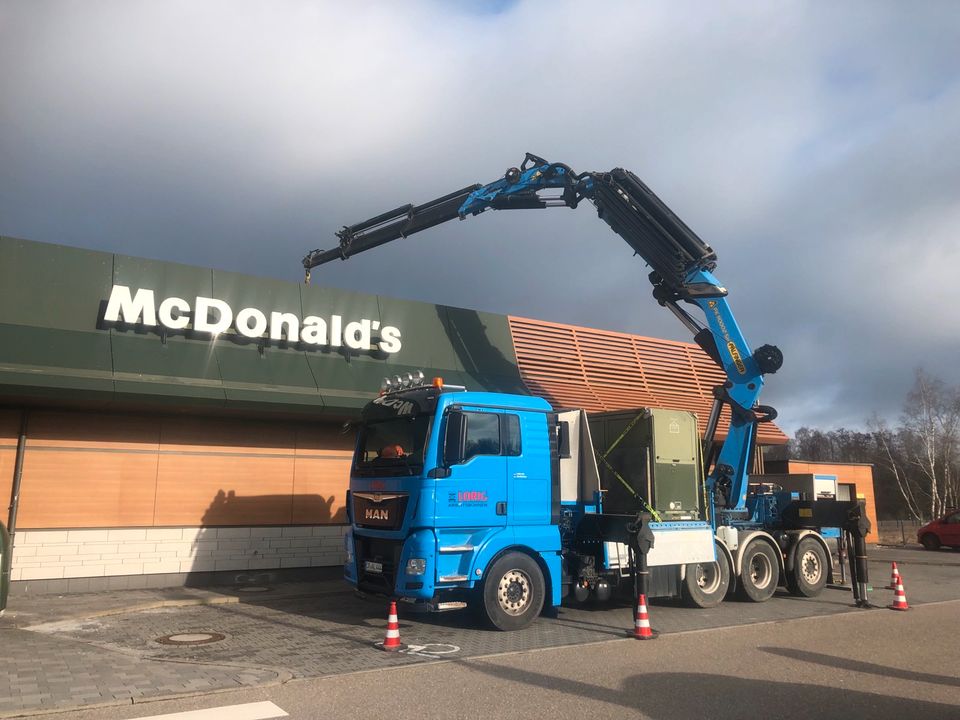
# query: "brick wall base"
225,578
124,552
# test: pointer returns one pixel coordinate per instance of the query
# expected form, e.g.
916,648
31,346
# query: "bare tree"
931,421
890,456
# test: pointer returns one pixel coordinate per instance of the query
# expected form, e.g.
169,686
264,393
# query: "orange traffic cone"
894,578
391,643
899,597
641,621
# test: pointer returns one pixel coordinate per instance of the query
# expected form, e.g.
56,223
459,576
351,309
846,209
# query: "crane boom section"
681,265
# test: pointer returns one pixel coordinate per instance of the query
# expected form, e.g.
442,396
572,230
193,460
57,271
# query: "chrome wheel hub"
513,592
810,567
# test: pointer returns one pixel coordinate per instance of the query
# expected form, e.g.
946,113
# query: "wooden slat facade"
9,430
603,370
89,469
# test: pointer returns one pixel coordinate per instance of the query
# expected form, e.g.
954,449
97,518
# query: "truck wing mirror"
453,439
563,445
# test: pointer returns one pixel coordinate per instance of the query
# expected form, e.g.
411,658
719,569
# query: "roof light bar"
402,382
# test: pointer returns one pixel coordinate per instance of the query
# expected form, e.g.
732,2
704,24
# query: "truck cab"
444,482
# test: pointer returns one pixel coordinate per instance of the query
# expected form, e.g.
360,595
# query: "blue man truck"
459,497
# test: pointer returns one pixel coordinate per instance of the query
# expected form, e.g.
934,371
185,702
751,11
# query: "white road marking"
247,711
431,649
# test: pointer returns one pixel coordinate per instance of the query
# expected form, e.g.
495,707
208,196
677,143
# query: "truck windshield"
391,447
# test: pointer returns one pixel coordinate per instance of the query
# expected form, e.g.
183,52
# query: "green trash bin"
6,555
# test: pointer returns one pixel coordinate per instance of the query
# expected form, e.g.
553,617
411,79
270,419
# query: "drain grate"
204,638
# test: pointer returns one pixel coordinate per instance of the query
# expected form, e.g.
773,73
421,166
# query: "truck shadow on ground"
860,666
721,697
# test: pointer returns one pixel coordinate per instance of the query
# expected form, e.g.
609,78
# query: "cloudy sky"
815,146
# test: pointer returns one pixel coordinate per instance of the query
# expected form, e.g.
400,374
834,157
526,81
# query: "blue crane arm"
681,265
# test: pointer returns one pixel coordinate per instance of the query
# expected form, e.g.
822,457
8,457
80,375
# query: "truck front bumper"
381,565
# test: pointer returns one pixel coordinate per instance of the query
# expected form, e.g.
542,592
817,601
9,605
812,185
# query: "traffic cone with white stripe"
894,578
391,643
899,597
641,621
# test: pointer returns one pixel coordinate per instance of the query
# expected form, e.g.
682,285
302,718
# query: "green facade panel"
54,338
52,286
56,358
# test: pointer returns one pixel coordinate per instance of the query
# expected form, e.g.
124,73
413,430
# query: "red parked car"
945,531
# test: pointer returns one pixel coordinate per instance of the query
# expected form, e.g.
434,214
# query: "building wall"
859,475
106,494
9,430
111,470
68,555
601,370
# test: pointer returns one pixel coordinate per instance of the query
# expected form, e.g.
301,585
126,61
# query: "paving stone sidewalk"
46,671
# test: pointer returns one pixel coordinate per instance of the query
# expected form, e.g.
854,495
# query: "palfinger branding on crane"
214,316
731,346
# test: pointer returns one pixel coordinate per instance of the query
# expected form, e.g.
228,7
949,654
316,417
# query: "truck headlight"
416,566
348,547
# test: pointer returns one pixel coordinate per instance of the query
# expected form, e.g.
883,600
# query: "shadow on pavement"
860,666
719,697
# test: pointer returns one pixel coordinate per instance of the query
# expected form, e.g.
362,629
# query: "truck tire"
759,572
809,574
930,542
513,592
706,584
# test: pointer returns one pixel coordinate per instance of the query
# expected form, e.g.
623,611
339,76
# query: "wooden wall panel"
9,431
7,461
71,488
322,474
320,488
116,470
191,434
93,431
324,440
224,489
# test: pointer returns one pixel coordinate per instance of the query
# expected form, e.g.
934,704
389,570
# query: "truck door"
474,494
527,450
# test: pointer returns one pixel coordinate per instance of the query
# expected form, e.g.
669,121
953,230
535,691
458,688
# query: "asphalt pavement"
877,665
93,650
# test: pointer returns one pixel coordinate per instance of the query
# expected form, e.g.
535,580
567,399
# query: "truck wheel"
706,584
760,572
513,592
930,542
809,574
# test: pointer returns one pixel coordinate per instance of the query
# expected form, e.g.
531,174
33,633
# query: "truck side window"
483,434
511,434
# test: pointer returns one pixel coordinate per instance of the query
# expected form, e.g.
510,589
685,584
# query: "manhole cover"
253,589
190,639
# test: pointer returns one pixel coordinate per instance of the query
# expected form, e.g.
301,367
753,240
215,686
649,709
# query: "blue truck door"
475,493
527,451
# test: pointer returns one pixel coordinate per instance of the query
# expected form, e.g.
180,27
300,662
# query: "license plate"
373,567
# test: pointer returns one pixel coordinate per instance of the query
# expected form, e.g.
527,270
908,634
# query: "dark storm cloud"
812,146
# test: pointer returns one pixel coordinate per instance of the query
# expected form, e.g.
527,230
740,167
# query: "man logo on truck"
376,514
